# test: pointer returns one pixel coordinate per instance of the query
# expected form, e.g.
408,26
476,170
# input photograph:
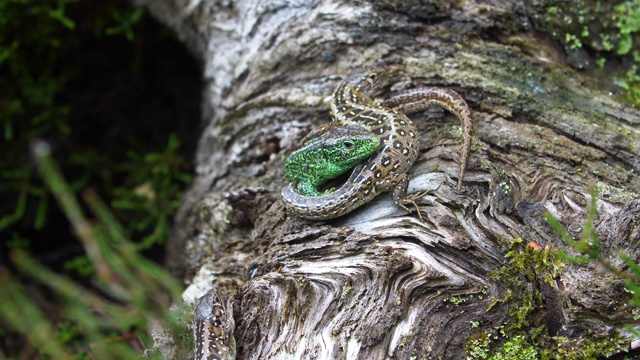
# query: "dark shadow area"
117,100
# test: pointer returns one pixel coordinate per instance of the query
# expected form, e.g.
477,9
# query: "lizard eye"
348,144
372,77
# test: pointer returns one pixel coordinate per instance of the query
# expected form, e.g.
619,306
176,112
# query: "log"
481,270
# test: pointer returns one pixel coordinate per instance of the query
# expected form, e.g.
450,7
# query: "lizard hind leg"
403,200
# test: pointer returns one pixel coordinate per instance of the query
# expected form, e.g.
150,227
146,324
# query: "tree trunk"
378,283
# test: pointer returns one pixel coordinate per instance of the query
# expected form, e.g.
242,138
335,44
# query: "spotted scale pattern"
213,329
386,169
419,99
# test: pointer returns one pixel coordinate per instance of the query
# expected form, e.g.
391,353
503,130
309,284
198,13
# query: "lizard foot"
411,200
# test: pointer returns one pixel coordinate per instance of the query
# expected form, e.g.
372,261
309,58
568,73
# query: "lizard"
385,170
213,328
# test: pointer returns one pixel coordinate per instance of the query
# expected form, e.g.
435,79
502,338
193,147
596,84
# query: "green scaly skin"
328,156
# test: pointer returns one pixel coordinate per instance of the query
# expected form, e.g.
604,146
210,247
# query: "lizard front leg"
403,200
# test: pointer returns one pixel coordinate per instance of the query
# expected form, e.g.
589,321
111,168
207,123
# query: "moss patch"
520,337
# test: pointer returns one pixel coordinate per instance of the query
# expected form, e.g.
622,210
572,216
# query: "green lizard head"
328,156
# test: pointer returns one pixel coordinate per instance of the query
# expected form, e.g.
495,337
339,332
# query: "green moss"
630,81
627,18
585,32
573,40
478,346
590,348
346,288
516,348
455,300
518,338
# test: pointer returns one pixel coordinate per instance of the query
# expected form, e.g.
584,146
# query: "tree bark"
378,283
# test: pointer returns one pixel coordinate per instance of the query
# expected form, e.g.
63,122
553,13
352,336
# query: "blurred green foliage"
608,30
588,249
52,56
111,319
79,75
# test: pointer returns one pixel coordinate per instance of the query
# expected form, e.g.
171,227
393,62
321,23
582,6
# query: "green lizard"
328,156
386,168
